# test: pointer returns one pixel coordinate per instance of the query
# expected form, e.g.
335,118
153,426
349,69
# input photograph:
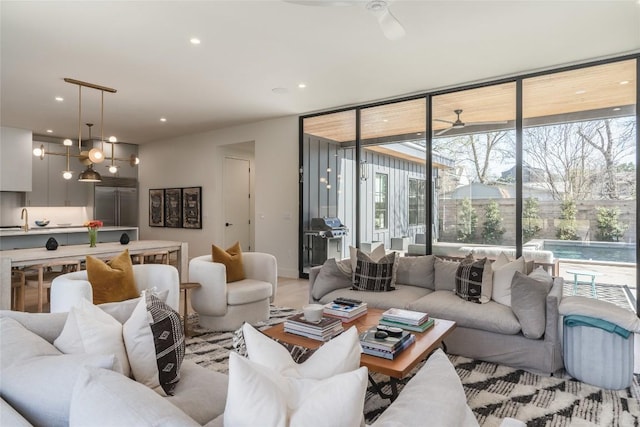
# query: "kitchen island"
71,235
40,255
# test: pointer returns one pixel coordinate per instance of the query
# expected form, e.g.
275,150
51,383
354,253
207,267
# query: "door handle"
226,224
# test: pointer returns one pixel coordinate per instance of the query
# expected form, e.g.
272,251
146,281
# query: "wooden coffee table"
426,343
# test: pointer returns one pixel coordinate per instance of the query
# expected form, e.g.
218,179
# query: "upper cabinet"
49,187
15,159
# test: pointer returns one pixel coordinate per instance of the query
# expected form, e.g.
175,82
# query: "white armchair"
224,306
68,289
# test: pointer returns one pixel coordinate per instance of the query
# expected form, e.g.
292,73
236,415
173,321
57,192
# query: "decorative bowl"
42,222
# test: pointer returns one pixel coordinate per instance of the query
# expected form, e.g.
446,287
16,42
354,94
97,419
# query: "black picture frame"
156,207
192,207
173,207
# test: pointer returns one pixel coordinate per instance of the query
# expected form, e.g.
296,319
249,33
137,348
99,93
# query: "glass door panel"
328,179
579,177
392,176
474,155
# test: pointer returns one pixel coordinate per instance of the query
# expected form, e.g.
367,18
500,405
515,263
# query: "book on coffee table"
405,316
388,354
344,312
389,343
323,330
416,328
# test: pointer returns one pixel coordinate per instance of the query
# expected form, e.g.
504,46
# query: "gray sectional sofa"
489,331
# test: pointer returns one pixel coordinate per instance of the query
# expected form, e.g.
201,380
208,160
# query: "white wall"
197,160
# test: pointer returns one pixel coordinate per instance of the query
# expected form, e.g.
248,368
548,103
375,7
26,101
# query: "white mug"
313,312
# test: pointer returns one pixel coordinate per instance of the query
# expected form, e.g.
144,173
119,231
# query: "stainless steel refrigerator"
117,204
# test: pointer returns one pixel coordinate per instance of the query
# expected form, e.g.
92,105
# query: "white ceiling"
142,49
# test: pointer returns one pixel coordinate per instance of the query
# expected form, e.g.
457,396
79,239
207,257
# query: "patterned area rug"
493,391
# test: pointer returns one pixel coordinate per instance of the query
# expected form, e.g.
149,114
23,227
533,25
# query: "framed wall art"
156,208
191,207
173,207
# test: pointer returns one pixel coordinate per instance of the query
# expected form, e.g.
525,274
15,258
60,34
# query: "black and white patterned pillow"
154,338
375,276
469,278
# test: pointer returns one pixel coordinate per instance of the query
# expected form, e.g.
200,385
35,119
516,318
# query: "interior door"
237,209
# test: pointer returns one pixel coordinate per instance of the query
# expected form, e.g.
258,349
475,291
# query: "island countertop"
37,237
57,229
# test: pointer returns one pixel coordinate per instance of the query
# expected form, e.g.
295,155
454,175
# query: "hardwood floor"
292,293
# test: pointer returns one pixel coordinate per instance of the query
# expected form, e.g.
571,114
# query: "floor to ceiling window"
476,193
579,175
542,165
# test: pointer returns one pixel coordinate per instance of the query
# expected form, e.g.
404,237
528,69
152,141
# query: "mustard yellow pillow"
112,281
232,260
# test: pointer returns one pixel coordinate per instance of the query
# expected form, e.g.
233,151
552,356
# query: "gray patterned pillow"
469,279
375,276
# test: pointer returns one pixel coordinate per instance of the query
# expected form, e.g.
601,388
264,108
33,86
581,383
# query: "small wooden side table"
186,287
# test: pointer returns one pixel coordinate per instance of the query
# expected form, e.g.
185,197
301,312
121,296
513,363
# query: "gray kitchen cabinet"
15,159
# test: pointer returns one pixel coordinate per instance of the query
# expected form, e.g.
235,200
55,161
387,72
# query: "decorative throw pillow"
112,281
473,278
542,275
376,276
154,338
330,277
232,260
121,311
259,395
377,253
416,271
102,397
503,271
337,356
90,330
528,302
445,274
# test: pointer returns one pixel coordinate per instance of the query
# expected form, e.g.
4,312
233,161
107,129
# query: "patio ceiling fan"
459,124
390,26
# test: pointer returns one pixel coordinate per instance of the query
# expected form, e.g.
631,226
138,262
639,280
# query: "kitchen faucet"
25,215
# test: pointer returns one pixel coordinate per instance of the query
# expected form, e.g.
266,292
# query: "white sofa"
223,306
435,393
68,289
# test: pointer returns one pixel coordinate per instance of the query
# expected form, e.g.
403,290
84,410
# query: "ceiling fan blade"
443,121
443,131
502,122
391,27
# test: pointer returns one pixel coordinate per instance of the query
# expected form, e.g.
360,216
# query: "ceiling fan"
459,124
390,26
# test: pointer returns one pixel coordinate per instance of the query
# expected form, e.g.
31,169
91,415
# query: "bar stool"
17,289
41,276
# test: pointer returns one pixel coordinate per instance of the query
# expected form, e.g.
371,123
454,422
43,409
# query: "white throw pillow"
258,395
339,355
105,398
122,310
90,330
503,272
154,339
40,387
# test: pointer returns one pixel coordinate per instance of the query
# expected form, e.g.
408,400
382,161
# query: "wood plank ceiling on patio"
571,92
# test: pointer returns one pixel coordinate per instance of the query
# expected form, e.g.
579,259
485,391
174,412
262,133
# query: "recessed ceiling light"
163,119
617,109
49,131
302,85
194,40
59,98
580,92
624,82
385,120
279,90
419,133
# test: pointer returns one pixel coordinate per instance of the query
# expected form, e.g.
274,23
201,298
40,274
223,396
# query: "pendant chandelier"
94,155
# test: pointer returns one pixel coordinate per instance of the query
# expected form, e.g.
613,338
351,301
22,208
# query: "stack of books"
388,347
406,319
324,330
346,310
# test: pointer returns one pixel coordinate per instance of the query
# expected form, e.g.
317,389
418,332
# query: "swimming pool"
595,251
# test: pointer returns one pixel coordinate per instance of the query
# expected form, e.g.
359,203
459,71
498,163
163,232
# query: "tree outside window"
381,201
417,212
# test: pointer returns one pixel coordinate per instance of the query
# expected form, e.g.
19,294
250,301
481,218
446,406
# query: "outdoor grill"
325,235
